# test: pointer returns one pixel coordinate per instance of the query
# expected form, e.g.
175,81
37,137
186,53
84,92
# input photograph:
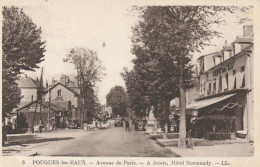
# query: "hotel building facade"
226,83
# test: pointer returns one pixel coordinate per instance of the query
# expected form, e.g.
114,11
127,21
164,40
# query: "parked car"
159,128
74,124
150,128
140,125
118,122
133,121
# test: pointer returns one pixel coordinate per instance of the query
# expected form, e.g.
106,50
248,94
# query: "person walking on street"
127,125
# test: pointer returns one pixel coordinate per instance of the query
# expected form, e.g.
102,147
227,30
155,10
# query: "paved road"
114,141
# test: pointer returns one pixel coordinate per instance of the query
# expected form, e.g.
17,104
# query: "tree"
22,121
89,70
137,92
11,97
117,99
23,49
165,39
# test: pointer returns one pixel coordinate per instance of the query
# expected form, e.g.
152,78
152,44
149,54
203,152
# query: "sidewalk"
224,150
26,138
29,146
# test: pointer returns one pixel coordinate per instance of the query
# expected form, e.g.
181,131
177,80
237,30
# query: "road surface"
114,141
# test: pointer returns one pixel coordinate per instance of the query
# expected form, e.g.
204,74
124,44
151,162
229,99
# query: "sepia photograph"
100,79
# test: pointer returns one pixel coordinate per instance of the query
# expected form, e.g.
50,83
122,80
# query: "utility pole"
49,110
40,96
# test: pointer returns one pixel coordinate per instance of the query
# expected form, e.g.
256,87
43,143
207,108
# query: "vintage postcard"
129,83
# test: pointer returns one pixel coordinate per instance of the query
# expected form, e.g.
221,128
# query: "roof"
62,104
207,55
23,103
27,82
208,102
226,48
243,40
242,52
53,107
64,87
217,54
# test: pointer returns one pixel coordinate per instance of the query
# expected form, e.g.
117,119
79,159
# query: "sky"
88,25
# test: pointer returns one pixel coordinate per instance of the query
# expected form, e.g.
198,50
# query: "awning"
207,102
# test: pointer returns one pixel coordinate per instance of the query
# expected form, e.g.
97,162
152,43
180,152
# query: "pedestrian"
53,126
189,141
40,126
127,125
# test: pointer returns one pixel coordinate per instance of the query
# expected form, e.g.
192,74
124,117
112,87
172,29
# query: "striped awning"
207,102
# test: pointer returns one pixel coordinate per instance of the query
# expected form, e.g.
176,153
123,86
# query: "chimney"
247,30
32,98
25,75
53,82
225,43
63,79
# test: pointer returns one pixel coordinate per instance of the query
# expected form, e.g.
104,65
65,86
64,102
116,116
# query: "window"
204,88
235,83
230,54
243,73
59,93
220,84
234,72
243,82
214,87
235,79
242,68
209,90
226,81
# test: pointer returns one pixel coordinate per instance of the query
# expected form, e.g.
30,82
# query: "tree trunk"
182,129
82,114
167,113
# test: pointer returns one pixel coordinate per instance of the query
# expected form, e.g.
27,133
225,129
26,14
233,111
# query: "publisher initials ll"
224,163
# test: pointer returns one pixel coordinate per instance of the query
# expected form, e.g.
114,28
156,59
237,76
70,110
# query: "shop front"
228,106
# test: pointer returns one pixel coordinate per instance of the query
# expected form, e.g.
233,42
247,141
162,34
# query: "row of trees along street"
163,41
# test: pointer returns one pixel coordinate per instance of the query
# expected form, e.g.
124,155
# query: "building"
227,84
36,112
29,88
67,90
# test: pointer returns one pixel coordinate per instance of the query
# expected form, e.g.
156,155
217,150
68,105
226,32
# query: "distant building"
108,110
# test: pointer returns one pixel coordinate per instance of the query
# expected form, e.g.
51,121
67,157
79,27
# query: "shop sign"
224,68
32,108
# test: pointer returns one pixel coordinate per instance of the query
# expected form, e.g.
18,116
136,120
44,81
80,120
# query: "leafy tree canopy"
88,65
22,49
118,100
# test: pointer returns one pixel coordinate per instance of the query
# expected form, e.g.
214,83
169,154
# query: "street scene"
109,142
96,80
